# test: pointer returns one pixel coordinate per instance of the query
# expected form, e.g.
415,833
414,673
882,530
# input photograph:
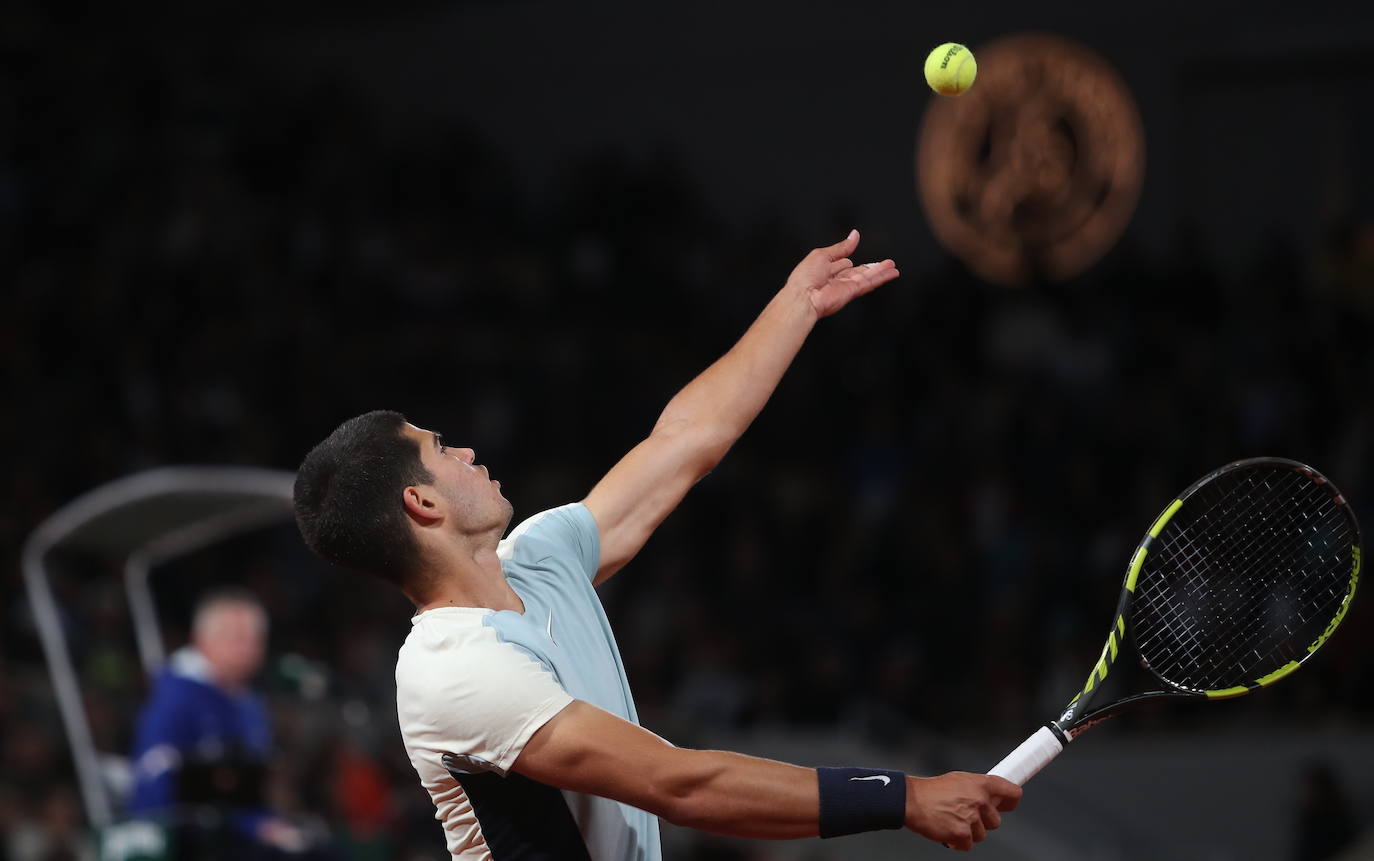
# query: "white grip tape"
1034,754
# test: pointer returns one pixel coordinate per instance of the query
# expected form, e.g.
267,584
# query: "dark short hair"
348,496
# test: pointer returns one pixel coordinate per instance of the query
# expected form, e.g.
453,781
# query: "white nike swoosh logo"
883,777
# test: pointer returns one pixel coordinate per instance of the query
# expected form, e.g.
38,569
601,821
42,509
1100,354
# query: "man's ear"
422,504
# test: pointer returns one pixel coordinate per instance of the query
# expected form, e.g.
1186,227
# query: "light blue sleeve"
569,532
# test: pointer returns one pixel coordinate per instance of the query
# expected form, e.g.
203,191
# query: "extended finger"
865,278
879,269
844,247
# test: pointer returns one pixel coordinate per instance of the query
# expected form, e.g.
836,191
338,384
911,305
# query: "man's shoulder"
550,525
448,641
444,630
458,680
174,685
568,533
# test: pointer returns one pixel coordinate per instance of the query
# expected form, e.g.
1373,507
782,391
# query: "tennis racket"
1238,582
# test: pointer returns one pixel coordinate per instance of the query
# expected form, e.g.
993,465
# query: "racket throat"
1062,735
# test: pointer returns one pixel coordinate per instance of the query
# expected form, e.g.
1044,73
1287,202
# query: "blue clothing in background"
188,720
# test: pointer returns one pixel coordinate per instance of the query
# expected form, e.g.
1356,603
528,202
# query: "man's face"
474,498
233,638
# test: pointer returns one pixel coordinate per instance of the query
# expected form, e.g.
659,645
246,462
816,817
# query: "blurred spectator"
204,739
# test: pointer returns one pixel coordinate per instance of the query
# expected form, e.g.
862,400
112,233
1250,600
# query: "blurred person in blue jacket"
203,739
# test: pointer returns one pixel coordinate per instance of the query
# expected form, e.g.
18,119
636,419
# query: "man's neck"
463,578
192,663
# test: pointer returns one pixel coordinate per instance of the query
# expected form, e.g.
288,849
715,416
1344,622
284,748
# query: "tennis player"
511,694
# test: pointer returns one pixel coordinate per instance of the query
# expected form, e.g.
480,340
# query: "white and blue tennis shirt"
473,685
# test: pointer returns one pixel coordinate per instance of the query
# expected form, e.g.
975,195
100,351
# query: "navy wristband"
860,799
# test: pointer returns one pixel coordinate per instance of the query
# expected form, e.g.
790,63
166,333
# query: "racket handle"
1034,754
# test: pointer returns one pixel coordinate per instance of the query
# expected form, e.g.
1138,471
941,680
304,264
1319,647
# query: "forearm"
742,796
704,420
723,400
586,749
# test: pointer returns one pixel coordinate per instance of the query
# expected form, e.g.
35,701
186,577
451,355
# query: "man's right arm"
160,737
586,749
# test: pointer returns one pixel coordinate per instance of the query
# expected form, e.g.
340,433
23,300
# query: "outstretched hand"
830,279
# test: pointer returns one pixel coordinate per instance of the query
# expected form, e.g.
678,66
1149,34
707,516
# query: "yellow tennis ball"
950,69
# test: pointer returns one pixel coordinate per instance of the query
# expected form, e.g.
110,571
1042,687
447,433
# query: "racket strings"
1256,571
1253,605
1192,632
1188,558
1214,638
1280,641
1242,579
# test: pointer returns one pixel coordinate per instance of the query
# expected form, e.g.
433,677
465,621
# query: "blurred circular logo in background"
1034,173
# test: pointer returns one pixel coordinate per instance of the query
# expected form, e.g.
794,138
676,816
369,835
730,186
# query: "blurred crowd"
923,533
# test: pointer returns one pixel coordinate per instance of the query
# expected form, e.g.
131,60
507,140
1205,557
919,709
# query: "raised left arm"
703,420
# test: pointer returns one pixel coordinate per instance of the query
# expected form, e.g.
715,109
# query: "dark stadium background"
226,227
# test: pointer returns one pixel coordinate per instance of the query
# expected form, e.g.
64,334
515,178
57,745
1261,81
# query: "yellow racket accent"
1099,673
1345,602
1270,678
1164,518
1266,679
1138,561
1227,693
